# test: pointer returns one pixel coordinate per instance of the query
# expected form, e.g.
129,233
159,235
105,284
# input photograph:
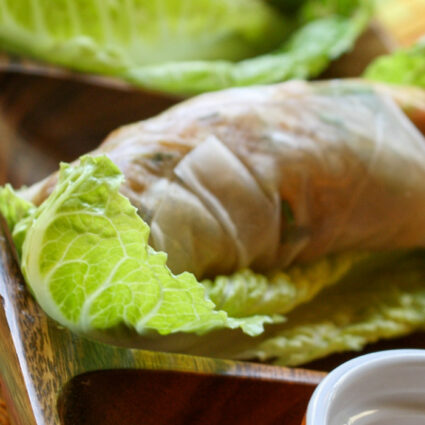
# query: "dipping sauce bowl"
383,388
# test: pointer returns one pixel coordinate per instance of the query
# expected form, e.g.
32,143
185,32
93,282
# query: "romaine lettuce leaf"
386,302
406,66
112,35
247,293
87,261
13,207
17,212
184,47
307,53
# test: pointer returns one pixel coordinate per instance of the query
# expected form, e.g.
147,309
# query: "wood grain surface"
4,417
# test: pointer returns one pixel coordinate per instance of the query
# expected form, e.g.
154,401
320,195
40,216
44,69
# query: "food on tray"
293,217
185,46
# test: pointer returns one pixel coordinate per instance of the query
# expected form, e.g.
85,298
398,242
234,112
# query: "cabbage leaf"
183,46
110,35
247,293
385,301
17,213
405,66
13,207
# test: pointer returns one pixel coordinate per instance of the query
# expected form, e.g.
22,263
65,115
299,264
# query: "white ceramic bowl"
384,388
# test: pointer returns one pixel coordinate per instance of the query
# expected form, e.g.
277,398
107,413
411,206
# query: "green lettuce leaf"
402,67
184,47
247,293
384,302
306,54
17,212
112,35
87,261
13,207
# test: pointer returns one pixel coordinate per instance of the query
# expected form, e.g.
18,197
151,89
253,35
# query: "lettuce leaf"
17,212
13,207
87,261
181,46
381,296
402,67
112,35
247,293
384,302
307,53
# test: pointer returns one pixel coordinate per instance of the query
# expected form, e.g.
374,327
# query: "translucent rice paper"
267,176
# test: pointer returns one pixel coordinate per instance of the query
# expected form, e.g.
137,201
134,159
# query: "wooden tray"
51,376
